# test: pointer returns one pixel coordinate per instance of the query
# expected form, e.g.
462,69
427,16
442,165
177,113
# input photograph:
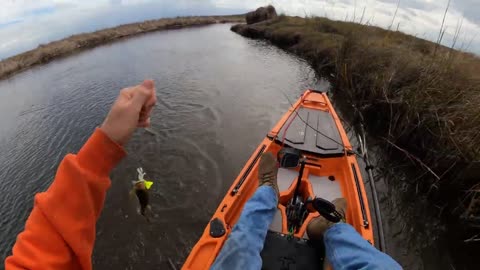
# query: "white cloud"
15,10
134,2
12,10
39,21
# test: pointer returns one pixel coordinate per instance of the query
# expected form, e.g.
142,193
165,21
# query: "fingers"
152,100
145,123
149,84
144,116
140,96
131,109
145,112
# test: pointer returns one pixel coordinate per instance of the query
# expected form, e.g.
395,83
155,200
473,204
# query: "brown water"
218,93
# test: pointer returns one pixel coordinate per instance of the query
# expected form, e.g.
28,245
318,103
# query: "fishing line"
289,123
134,153
135,157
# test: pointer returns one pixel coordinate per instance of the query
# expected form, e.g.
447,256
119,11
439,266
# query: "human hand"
131,110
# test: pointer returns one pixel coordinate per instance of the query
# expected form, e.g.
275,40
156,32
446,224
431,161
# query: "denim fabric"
345,248
242,249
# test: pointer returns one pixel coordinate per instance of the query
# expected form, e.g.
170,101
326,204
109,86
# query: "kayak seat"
283,252
285,178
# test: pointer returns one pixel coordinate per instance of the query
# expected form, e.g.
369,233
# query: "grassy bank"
46,53
420,99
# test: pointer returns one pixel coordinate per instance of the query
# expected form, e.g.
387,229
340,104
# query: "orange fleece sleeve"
60,231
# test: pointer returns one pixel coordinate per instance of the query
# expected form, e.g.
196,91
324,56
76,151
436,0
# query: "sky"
25,24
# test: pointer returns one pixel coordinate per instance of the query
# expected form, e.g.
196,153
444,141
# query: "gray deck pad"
324,188
326,141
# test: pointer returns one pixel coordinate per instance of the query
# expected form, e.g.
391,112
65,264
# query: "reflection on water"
218,96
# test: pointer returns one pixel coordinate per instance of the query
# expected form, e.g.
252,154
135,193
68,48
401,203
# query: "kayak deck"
312,126
299,134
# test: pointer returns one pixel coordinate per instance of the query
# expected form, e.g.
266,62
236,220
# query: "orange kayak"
328,170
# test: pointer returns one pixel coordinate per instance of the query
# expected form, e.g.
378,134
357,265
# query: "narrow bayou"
218,96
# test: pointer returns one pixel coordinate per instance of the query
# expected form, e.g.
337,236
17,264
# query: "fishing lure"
140,189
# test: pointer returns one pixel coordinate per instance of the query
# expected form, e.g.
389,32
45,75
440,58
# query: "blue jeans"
345,248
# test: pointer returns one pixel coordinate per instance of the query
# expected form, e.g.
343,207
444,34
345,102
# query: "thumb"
149,84
140,96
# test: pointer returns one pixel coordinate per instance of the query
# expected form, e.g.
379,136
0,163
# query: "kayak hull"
312,126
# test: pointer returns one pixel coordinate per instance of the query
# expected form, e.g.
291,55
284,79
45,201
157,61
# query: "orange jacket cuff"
100,153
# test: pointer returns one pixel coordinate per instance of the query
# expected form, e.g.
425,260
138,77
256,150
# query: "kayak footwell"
326,187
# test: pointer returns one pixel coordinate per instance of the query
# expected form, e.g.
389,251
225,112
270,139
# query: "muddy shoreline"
45,53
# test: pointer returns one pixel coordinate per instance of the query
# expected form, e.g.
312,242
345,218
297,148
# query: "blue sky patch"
41,11
12,22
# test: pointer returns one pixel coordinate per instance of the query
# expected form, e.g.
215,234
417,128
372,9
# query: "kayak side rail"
360,197
247,172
